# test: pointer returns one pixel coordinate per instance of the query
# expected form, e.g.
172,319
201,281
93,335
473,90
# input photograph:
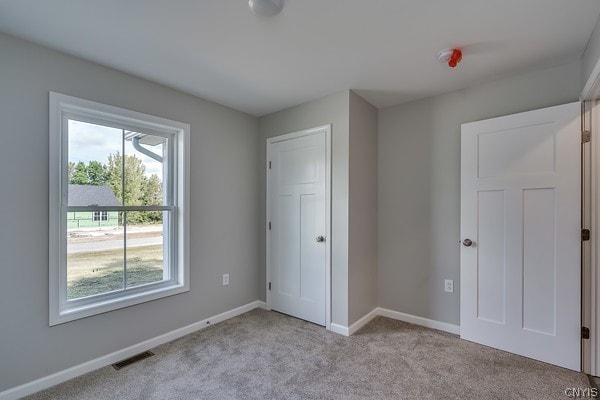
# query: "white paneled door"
298,214
521,234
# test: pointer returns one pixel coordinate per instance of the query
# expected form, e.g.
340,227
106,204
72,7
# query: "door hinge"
585,235
269,164
585,332
586,136
269,225
269,285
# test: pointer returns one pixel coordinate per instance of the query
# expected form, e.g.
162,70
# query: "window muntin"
127,173
98,216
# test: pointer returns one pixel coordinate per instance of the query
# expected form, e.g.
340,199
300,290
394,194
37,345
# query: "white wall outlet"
449,285
225,279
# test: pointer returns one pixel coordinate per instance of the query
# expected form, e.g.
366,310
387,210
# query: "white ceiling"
384,49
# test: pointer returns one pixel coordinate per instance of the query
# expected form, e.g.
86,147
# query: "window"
118,208
100,216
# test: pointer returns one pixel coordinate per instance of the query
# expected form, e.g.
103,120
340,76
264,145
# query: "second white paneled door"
298,215
520,226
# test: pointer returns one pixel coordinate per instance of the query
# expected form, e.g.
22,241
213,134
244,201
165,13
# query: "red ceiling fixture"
451,56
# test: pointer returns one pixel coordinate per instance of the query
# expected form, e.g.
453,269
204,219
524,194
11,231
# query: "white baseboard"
363,321
384,312
70,373
341,329
413,319
347,331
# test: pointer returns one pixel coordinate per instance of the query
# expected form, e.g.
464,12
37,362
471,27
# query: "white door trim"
591,301
295,135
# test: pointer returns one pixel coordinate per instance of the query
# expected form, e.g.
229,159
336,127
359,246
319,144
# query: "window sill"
126,300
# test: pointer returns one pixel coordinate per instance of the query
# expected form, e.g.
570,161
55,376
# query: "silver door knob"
320,239
467,242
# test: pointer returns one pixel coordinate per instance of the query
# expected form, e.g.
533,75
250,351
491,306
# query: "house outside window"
87,195
118,208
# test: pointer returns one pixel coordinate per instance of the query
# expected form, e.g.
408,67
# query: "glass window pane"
95,254
145,157
145,248
94,164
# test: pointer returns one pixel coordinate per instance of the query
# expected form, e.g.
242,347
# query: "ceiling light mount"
450,56
266,8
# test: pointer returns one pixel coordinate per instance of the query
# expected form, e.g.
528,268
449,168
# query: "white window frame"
62,108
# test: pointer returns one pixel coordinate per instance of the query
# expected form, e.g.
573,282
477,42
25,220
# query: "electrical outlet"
449,285
225,279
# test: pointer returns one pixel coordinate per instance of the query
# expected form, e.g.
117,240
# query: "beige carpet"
266,355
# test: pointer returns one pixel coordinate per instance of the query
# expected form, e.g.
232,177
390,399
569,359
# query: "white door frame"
591,216
590,263
294,135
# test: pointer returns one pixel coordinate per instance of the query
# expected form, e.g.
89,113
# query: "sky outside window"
91,142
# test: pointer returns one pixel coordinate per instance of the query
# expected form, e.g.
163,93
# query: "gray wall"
333,110
362,232
224,221
419,184
591,55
